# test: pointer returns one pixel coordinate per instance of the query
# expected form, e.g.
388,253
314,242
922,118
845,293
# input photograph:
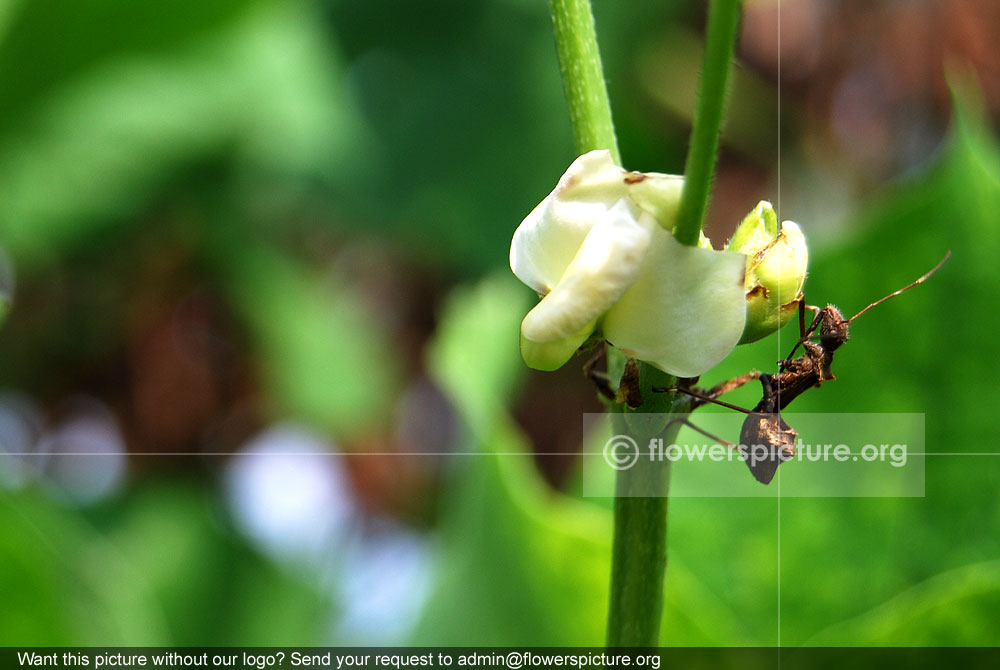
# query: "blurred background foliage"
262,321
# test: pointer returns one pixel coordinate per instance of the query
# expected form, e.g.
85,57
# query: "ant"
764,428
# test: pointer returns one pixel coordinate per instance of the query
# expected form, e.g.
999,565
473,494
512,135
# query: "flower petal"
548,356
686,311
658,194
608,262
783,269
775,276
549,237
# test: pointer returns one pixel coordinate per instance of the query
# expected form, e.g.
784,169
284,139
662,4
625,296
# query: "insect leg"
705,433
732,384
804,333
704,398
599,378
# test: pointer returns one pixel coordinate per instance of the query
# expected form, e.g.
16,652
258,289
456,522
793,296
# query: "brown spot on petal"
759,256
792,304
634,178
757,291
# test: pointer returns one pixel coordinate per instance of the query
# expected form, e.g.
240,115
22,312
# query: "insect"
766,440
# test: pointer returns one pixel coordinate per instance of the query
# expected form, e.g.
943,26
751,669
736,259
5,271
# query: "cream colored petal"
550,356
608,263
593,177
657,194
550,236
686,311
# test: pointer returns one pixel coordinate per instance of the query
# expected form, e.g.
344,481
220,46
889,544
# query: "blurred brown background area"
872,77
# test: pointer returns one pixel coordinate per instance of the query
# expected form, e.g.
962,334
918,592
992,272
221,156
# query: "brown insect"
766,440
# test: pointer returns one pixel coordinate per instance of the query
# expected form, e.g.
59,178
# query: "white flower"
599,251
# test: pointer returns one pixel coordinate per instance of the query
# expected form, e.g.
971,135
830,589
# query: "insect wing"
766,441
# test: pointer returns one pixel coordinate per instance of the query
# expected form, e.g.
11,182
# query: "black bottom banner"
397,658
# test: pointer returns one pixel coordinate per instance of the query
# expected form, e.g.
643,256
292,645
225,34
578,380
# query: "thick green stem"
639,555
723,23
583,76
639,547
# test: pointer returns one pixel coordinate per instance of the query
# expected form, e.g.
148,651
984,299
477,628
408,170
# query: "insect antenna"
921,280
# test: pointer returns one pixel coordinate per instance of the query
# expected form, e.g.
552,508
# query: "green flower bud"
775,271
758,230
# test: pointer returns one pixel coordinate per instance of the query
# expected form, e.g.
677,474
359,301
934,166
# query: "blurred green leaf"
954,608
467,105
520,564
326,360
475,354
156,568
210,586
118,96
65,583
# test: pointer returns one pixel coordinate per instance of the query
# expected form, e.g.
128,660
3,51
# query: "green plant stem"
583,76
639,548
639,551
723,23
639,556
